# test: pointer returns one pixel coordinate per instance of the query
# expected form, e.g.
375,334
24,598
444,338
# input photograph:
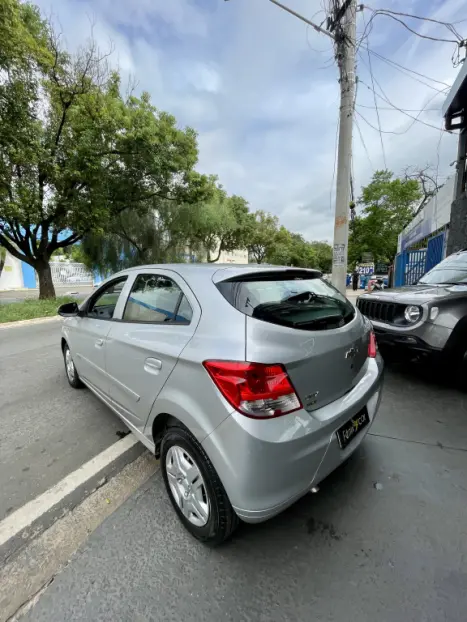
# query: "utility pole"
344,27
341,28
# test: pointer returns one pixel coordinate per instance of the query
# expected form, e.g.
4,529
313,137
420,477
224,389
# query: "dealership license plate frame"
350,425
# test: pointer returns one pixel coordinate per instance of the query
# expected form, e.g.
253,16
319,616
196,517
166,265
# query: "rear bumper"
267,465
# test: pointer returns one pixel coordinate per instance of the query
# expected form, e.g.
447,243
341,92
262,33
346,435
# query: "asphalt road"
47,429
385,539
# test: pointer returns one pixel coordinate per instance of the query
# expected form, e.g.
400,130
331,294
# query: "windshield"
452,270
302,303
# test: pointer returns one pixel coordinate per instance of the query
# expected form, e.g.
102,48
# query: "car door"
143,346
89,336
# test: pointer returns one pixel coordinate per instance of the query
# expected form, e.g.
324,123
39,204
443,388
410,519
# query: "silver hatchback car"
251,383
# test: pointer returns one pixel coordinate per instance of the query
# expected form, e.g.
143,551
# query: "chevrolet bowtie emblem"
352,353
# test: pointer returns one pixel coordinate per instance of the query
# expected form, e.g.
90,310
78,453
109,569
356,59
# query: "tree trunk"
46,286
2,263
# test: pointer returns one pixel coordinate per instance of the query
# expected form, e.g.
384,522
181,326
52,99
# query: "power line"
376,106
392,109
397,19
397,133
363,142
448,25
406,69
385,98
401,110
307,30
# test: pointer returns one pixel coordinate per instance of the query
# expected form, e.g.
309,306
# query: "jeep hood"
416,294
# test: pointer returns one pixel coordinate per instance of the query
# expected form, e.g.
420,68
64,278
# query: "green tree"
291,249
323,252
217,225
74,154
388,205
263,229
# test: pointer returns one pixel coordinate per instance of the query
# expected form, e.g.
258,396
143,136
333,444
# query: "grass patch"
30,309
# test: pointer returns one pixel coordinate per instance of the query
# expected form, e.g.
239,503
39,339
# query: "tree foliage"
75,154
387,206
81,163
263,235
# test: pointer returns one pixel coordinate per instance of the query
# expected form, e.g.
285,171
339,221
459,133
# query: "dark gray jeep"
427,318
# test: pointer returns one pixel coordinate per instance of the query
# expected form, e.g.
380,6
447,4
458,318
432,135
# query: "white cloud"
246,75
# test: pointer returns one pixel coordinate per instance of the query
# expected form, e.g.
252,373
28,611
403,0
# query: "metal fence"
69,274
411,265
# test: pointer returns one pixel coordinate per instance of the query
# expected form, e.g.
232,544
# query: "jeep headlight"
412,314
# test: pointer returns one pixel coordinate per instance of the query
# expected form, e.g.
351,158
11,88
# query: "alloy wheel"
187,485
70,366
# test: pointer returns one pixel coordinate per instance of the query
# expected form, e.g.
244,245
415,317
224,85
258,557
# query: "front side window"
156,299
296,300
102,307
451,271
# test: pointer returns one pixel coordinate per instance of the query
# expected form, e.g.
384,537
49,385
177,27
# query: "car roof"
216,271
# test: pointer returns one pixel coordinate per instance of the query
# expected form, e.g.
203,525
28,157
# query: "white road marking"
26,515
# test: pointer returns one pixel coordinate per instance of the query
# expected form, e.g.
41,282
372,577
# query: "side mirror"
69,309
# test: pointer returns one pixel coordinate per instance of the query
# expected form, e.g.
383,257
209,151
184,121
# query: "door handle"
152,366
99,343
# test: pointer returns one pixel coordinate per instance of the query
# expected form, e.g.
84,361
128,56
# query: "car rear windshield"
298,300
451,271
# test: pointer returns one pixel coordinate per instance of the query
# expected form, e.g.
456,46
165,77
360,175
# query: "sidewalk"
385,539
352,296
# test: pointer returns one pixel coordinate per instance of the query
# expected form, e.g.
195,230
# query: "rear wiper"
308,296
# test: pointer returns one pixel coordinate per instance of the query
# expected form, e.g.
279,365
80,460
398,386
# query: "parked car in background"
426,319
251,383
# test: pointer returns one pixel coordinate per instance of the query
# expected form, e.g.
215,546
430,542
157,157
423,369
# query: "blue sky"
261,90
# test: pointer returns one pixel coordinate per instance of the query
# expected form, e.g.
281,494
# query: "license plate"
349,430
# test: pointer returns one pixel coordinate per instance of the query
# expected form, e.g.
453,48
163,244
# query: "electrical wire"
406,69
376,106
385,98
385,13
307,33
397,133
392,109
363,142
401,110
448,25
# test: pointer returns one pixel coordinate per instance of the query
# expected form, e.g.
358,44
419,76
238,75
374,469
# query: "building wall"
457,239
12,274
236,256
435,215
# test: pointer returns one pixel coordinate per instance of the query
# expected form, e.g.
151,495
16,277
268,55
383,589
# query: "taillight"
254,389
372,347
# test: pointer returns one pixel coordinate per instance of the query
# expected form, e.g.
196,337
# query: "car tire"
70,369
194,488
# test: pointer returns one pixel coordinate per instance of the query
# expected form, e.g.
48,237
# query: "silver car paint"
264,464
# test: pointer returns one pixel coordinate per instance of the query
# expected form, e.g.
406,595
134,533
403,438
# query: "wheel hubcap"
187,485
70,366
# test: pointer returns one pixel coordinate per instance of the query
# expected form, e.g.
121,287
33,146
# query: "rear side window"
156,299
295,300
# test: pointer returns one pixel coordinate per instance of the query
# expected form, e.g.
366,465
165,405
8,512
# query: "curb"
33,518
37,320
